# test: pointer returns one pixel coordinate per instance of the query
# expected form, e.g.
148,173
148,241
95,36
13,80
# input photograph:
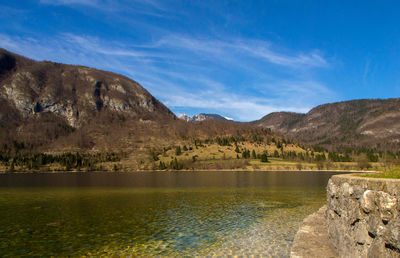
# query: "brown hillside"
348,123
46,100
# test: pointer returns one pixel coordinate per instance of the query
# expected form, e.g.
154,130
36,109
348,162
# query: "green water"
150,221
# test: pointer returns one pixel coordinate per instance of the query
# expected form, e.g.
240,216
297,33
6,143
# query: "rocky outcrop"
363,216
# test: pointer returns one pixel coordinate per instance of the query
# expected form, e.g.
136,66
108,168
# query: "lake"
156,213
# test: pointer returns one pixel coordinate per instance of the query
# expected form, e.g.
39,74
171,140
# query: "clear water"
188,218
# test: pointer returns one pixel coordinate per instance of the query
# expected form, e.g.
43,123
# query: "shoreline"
183,171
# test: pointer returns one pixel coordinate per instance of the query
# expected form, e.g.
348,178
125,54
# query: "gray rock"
368,201
363,216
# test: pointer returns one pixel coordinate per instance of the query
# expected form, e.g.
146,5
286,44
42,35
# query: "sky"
240,59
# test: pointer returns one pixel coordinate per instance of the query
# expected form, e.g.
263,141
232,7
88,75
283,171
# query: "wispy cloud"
144,7
93,45
72,2
259,49
189,72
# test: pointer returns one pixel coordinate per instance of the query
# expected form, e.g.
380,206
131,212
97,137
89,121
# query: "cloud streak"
92,3
196,73
258,49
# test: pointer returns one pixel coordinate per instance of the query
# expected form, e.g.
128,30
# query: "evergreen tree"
246,154
237,149
253,154
162,166
178,151
264,157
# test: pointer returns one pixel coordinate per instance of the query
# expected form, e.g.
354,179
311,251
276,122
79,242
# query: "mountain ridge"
345,123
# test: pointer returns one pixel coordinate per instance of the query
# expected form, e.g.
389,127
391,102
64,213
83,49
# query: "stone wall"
363,216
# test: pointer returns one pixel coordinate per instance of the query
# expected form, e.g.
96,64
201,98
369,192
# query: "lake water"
156,213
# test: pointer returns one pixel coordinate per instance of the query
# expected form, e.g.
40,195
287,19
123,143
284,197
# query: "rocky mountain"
202,117
356,122
74,93
59,98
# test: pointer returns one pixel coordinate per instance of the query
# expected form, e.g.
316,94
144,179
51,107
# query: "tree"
264,157
178,151
246,154
253,154
237,149
174,164
362,161
162,166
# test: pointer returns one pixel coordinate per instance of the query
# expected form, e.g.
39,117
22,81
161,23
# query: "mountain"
54,106
75,93
348,123
48,100
202,117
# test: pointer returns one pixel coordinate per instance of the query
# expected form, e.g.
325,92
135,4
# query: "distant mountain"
202,117
356,122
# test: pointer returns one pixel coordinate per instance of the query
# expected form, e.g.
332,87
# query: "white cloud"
242,108
145,7
190,72
258,49
311,59
71,2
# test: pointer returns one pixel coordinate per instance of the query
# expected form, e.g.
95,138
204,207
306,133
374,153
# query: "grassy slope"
211,156
392,173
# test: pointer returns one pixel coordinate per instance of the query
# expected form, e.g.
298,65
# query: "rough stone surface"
312,238
363,216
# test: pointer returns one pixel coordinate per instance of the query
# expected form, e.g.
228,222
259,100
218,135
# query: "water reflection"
168,179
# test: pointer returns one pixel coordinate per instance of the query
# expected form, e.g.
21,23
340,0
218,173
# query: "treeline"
17,157
192,164
265,138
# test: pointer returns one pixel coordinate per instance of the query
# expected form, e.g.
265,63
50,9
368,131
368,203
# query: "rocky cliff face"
73,93
345,123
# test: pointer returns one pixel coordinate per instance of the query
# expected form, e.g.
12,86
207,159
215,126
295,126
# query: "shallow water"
234,214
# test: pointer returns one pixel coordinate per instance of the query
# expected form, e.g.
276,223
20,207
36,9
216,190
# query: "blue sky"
240,59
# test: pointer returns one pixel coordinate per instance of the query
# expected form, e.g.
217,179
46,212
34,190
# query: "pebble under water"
153,221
